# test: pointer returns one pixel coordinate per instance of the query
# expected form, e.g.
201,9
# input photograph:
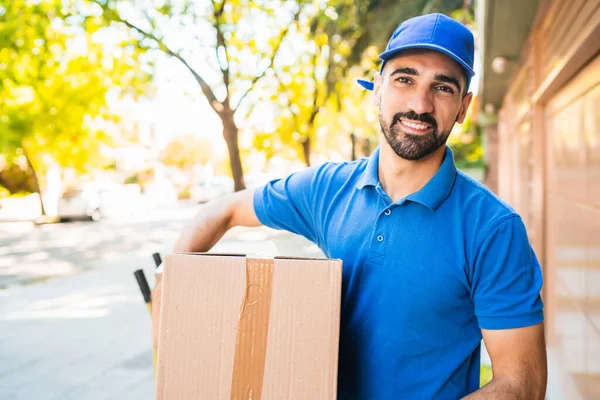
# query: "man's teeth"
415,126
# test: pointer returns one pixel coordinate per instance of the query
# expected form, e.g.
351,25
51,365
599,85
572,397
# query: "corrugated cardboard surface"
200,330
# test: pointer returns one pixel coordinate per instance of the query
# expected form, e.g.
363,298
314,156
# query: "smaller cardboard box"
237,327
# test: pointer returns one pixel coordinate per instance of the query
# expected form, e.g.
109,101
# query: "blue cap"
435,32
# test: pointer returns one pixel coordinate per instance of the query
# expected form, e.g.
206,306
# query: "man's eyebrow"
405,70
448,79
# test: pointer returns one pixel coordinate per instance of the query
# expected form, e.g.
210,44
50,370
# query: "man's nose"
421,102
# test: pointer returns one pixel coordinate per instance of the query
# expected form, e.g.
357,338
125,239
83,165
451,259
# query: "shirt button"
380,238
388,212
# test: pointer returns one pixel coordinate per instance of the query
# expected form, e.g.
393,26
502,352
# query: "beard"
411,146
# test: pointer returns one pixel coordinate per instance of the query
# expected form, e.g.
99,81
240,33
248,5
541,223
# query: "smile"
417,127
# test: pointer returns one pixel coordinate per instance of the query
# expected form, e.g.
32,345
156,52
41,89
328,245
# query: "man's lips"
413,126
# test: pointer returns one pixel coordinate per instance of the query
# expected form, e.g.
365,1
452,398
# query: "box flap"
213,254
304,258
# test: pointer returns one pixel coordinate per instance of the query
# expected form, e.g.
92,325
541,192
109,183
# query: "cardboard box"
236,327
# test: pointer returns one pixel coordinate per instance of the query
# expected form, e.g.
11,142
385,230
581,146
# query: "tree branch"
220,11
282,35
221,43
428,7
215,104
315,108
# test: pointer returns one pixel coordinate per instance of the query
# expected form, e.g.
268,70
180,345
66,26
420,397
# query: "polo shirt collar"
370,176
438,188
432,195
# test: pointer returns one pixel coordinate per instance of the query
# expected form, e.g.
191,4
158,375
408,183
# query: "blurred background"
119,119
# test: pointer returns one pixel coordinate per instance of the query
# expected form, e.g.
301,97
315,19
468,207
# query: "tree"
379,18
52,97
300,93
314,78
224,35
466,141
184,152
317,89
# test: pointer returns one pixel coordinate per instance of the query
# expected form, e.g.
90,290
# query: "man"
432,261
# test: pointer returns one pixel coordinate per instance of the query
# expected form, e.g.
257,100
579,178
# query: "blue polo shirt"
421,276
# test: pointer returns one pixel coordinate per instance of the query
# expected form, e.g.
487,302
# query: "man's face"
420,95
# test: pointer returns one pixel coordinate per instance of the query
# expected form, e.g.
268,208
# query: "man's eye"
445,89
403,80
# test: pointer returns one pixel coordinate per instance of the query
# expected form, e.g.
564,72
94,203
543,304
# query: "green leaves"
60,58
54,83
317,96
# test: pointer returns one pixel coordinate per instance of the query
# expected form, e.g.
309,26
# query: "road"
31,253
73,322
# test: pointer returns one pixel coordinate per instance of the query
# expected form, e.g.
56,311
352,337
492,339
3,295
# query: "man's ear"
466,100
376,88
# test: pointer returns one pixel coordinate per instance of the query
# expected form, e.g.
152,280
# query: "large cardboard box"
237,327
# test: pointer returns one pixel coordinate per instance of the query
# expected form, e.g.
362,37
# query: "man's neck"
399,177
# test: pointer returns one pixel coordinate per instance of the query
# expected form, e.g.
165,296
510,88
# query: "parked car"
95,200
211,189
17,208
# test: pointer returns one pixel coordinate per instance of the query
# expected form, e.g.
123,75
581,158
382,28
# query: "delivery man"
432,260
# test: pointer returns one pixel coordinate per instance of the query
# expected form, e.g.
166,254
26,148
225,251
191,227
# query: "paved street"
73,322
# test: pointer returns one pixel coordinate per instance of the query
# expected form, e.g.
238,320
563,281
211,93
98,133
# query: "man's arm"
204,231
215,219
519,364
506,281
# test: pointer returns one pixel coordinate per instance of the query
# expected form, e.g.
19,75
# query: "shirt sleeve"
507,279
290,203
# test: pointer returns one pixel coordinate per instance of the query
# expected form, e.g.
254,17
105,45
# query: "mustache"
425,118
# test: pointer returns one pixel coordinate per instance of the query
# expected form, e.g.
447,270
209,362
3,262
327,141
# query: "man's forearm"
201,234
505,388
205,230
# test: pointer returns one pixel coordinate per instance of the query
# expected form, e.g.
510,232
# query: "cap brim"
385,56
366,84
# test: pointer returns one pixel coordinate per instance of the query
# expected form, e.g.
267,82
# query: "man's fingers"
156,298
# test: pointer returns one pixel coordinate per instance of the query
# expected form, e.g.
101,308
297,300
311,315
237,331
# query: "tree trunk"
353,141
36,182
366,147
306,151
230,133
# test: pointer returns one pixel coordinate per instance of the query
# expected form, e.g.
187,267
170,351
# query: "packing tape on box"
252,331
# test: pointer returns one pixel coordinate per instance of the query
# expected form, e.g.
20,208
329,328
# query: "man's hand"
518,362
156,300
215,219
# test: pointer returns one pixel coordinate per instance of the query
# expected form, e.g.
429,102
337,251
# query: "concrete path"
85,334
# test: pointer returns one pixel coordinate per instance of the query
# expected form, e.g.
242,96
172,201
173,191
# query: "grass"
486,375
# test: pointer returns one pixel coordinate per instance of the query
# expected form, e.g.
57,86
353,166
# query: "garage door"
572,121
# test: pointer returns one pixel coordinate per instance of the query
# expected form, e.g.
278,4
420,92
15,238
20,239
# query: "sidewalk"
87,336
80,337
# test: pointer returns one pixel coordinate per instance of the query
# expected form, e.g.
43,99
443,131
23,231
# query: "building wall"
548,162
